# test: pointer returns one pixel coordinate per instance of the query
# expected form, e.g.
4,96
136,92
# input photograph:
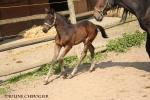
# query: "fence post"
71,11
73,20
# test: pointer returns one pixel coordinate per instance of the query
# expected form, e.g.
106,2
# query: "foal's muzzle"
44,30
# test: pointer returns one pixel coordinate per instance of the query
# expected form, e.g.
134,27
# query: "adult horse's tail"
102,30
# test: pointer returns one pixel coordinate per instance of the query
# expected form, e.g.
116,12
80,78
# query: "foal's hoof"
91,70
64,76
70,76
45,82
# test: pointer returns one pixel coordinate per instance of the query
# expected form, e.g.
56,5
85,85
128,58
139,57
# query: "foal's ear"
47,10
52,11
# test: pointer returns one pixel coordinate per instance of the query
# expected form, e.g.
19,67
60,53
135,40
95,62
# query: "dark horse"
140,8
97,11
69,35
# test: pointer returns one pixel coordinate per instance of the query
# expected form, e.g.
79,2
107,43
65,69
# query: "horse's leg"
57,49
83,54
92,49
148,42
124,16
61,59
145,24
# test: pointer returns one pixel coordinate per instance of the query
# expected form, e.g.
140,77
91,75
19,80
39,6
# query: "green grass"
3,90
17,78
124,43
68,61
118,45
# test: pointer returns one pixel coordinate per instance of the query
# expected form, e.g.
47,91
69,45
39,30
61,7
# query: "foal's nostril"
44,30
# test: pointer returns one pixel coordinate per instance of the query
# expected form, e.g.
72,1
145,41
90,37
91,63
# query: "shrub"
125,42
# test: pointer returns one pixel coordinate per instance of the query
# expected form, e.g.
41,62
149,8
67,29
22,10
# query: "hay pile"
115,13
36,32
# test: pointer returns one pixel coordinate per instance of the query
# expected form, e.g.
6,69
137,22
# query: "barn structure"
18,15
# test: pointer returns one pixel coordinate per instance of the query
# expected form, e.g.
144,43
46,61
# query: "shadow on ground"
138,65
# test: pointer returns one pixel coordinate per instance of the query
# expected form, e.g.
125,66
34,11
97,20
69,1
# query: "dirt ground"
124,76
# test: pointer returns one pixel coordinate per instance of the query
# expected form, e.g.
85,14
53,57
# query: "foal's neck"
61,22
62,25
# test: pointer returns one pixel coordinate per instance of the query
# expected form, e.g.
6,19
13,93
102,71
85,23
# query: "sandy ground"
124,76
31,56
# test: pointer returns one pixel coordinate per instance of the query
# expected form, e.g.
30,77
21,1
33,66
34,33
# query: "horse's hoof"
45,82
121,22
91,71
70,76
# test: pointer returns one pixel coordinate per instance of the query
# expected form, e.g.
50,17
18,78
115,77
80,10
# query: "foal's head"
101,8
50,20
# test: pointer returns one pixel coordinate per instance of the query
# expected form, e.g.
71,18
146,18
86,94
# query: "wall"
16,12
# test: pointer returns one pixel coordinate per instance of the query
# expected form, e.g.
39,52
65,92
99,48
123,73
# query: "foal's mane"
64,18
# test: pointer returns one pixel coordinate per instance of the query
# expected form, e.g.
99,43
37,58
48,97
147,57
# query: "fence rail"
27,18
33,5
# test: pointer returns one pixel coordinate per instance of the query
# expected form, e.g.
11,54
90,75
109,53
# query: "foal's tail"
102,30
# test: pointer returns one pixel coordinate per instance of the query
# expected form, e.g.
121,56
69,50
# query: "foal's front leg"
61,59
83,54
57,49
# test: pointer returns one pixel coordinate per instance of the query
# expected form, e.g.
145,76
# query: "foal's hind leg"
91,49
83,54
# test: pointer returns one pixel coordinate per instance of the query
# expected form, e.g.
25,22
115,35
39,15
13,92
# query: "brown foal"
69,35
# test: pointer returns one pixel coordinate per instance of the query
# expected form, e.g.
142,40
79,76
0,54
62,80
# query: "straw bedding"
36,32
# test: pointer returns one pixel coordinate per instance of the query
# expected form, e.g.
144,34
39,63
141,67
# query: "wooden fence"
18,15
